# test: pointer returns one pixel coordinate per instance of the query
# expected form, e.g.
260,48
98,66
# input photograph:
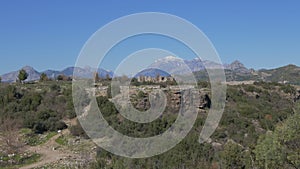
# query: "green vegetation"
18,160
259,127
22,75
33,139
251,111
230,75
40,107
43,77
135,82
62,140
141,94
131,128
289,73
203,84
234,156
63,78
280,148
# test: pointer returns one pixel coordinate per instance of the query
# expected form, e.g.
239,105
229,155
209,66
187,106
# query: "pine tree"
23,75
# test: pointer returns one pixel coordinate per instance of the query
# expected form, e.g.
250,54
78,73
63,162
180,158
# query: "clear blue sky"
50,34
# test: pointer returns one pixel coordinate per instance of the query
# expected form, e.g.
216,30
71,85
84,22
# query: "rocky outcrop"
237,66
139,97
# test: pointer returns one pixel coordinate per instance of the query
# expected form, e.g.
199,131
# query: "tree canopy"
23,75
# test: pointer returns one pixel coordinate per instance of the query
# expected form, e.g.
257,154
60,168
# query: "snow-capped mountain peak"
169,59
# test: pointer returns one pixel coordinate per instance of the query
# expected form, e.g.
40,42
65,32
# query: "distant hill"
152,72
13,76
286,74
52,73
35,75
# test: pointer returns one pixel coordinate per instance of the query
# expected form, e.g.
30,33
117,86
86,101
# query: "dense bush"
288,89
40,106
281,148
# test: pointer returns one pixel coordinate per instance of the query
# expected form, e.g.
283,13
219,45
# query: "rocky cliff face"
139,97
237,67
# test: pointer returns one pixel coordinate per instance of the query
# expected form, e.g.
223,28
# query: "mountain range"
174,65
236,71
33,74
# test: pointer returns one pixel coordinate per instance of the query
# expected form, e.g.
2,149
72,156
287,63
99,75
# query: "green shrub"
62,140
288,89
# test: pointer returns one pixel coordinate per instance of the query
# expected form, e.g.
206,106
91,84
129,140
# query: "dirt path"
48,154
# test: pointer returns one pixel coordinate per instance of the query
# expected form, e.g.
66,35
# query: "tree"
22,75
141,94
233,156
44,77
268,152
63,78
134,82
280,148
60,77
0,79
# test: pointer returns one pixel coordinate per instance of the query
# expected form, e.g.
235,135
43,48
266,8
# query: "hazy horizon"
87,66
